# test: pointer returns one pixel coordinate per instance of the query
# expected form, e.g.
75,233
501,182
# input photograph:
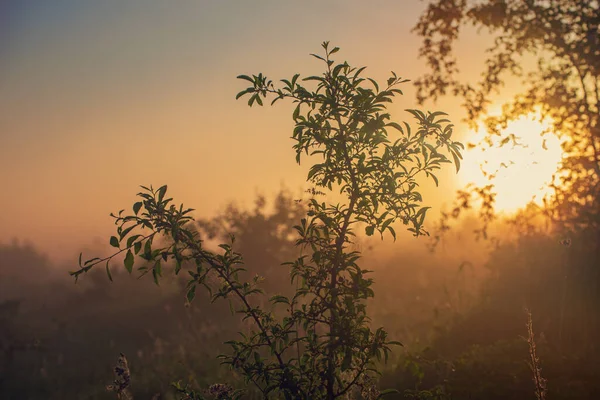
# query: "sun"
520,170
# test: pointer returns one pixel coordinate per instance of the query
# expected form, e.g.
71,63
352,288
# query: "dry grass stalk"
534,362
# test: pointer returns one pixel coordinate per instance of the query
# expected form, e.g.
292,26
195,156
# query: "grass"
534,362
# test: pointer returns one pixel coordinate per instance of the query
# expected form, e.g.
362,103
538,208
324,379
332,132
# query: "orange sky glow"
99,97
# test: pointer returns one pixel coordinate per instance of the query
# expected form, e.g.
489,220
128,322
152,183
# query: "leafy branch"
322,345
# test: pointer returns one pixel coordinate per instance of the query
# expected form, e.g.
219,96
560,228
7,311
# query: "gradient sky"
99,97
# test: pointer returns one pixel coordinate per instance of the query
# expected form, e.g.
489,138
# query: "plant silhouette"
323,346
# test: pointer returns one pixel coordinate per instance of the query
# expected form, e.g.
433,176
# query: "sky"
99,97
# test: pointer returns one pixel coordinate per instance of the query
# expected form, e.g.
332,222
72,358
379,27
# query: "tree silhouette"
564,87
265,237
322,347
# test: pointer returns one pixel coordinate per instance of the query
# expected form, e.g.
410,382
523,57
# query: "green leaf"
129,261
420,216
287,83
114,242
155,276
393,232
136,207
374,84
369,230
161,193
337,69
314,78
295,78
396,126
132,239
126,231
148,249
246,77
279,299
108,271
456,161
361,69
243,92
158,267
386,223
432,115
191,293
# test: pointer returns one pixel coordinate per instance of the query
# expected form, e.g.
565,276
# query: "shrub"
323,347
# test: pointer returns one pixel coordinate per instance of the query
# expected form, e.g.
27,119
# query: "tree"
562,37
564,87
323,348
265,237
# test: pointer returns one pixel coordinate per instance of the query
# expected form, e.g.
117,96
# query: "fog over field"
487,272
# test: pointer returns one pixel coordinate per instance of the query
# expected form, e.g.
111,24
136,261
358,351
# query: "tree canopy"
562,87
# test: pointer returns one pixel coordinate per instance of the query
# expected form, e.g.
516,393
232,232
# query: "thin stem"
249,310
339,248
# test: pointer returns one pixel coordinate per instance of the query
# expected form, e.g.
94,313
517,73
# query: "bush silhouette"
320,344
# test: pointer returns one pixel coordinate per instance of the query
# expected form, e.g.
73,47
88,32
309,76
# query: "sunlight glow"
520,172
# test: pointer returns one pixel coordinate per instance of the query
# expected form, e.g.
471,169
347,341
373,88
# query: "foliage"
164,341
535,271
563,38
493,371
480,355
265,236
323,347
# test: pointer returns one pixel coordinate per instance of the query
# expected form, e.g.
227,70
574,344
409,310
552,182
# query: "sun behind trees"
553,47
323,348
